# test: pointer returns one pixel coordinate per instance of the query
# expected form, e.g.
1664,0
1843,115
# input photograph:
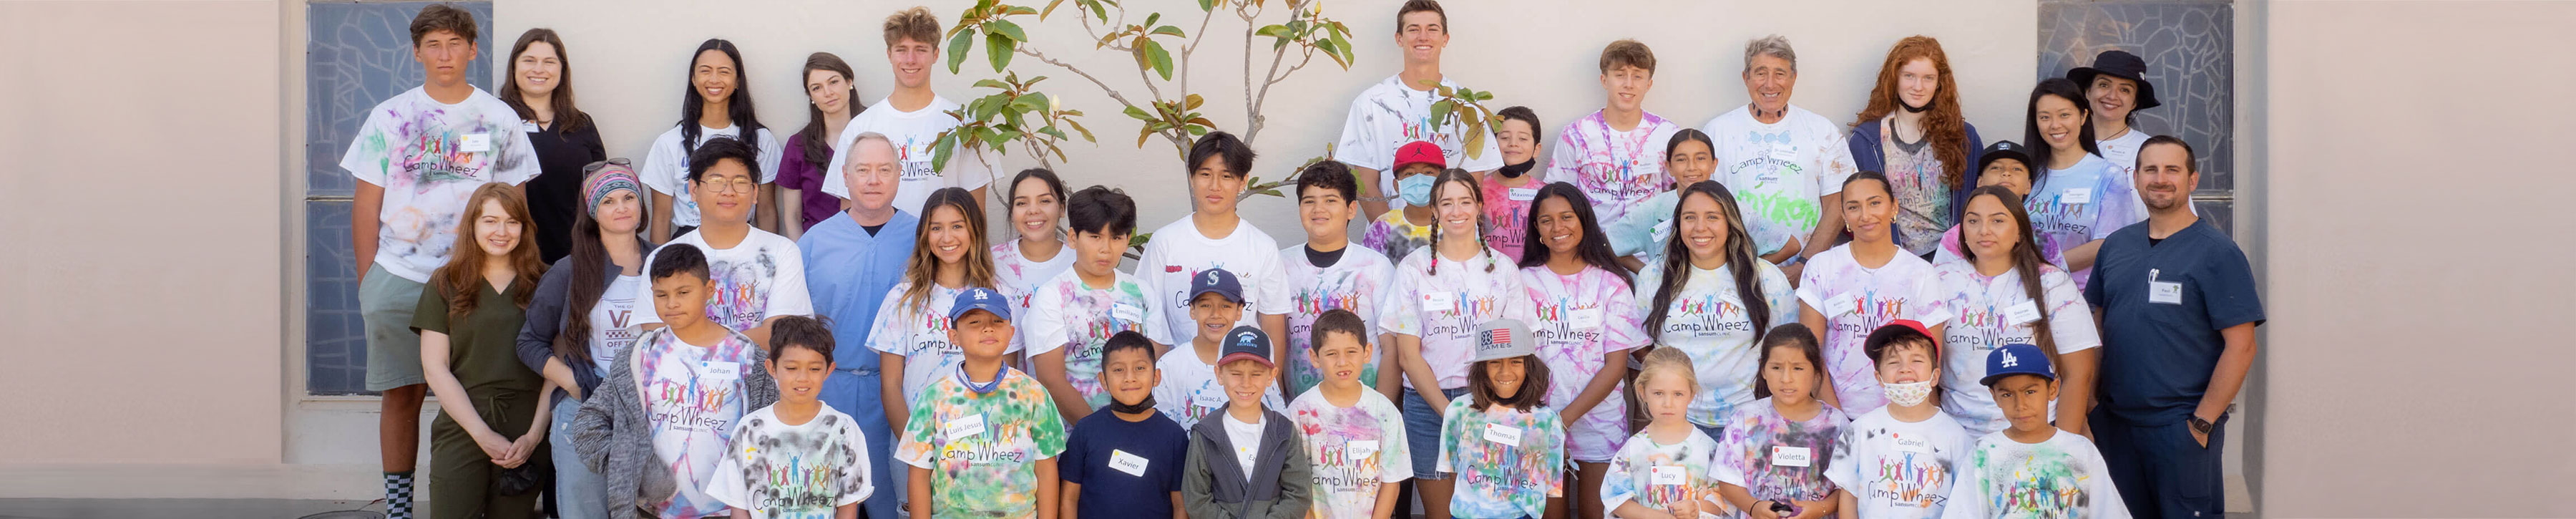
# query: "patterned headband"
606,180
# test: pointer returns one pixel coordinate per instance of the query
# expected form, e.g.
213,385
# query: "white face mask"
1908,394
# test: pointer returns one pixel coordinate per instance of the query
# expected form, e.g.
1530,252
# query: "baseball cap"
1218,281
1418,152
1897,330
1503,339
1245,343
979,298
2016,359
2004,150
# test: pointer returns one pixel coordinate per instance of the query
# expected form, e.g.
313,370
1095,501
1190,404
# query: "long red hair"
465,261
1943,125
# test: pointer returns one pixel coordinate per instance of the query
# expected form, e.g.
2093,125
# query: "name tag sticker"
476,143
1913,445
2164,292
721,370
963,428
1438,301
529,127
1670,475
2076,195
2024,313
1840,304
1131,464
1789,457
1663,231
1584,318
1523,194
1129,312
1503,434
1215,399
1361,448
1784,154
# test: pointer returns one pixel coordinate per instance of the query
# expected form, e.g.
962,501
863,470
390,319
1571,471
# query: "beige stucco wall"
2417,283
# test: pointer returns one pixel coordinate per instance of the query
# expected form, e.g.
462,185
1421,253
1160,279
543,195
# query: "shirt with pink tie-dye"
1579,319
1616,169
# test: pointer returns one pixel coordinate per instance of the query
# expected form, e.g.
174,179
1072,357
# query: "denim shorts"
1422,433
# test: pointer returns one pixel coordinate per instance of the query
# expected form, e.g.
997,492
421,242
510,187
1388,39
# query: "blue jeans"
1422,433
579,494
2160,470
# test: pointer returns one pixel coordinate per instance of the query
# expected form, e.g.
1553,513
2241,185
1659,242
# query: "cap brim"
2083,78
1229,359
1990,379
1236,299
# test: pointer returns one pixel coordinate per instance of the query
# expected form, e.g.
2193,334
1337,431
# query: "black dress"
554,197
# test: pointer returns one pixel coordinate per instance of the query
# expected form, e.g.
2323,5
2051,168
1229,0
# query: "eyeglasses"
594,167
743,185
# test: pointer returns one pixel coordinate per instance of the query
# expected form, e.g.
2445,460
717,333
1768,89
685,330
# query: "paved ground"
189,508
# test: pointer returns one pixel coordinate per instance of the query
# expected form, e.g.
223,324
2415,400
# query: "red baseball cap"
1419,152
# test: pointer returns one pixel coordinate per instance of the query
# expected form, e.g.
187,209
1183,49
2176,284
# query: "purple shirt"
795,173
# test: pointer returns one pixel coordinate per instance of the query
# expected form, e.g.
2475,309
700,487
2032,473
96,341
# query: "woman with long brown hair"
583,317
540,88
2005,293
1913,132
948,256
492,410
831,94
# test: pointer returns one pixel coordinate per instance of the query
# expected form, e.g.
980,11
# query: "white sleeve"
855,485
968,169
646,314
1403,315
2107,503
1934,308
1488,156
517,161
1811,290
1044,325
726,484
1835,161
1158,327
664,170
369,162
2070,321
1272,275
1565,163
1359,145
1373,310
1968,493
787,295
1841,468
891,333
770,155
832,182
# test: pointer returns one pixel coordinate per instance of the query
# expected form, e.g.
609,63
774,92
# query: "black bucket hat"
2119,64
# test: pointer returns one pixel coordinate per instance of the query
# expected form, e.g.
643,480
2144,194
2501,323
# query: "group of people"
1766,317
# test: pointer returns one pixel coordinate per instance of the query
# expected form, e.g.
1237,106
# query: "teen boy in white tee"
912,117
1398,111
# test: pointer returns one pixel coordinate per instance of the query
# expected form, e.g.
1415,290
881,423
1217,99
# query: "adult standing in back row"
2178,308
2116,86
1398,111
911,117
540,88
1913,131
1785,164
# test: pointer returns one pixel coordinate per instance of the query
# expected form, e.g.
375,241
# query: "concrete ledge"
277,481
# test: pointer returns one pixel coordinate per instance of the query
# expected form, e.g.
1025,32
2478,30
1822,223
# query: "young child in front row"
1248,462
798,458
1770,465
1899,461
983,436
1191,391
1124,460
1506,445
1663,471
2031,470
1354,434
657,445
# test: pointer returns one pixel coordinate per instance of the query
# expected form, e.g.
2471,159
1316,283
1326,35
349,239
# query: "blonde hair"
1662,360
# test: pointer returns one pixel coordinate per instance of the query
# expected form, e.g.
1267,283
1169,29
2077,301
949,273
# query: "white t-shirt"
760,278
1615,169
666,167
1390,114
914,133
1709,321
1246,438
1179,253
1443,309
1014,276
1778,171
430,157
1657,476
1855,301
1067,314
1354,449
1190,391
1899,470
1995,311
2087,202
780,471
2061,477
612,321
1353,283
919,333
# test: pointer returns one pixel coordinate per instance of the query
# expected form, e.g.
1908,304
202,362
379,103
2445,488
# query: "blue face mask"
1416,189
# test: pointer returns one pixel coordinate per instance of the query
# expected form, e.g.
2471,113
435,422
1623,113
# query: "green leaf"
1151,18
1020,10
1274,31
1007,28
1139,114
1192,102
992,84
957,50
1033,102
1050,9
943,149
1077,127
1162,59
997,47
1440,112
1207,5
1170,30
1093,6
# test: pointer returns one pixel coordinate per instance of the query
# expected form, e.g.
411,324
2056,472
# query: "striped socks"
398,495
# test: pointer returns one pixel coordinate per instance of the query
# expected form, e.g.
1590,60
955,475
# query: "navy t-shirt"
1107,490
2157,357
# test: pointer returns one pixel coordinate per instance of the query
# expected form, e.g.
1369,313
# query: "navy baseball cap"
1245,343
2004,150
2016,359
979,298
1218,281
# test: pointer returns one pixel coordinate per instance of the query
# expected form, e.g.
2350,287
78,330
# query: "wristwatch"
2204,427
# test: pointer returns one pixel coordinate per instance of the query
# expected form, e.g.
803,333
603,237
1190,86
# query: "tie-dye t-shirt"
1354,450
1444,309
1709,321
2062,477
666,167
1922,197
982,448
1392,235
1068,315
1778,171
1018,278
1507,212
1190,391
1615,169
1508,462
1581,319
759,278
1899,470
1354,283
430,157
1985,307
918,333
692,397
1658,475
1856,300
803,471
2071,206
1777,459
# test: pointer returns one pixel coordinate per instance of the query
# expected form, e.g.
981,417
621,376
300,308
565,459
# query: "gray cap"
1503,339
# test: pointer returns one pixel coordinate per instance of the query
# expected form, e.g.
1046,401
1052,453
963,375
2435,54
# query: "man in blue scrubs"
851,261
2178,308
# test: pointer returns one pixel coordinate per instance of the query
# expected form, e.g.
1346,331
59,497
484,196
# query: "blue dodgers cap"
2016,359
979,298
1218,281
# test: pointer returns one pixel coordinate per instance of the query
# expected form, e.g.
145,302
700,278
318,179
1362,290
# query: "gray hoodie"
615,440
1214,485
